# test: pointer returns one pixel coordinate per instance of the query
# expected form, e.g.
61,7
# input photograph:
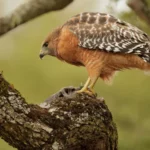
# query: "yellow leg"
91,86
94,73
85,87
88,87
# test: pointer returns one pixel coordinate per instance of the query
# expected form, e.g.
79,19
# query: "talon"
87,91
88,87
92,91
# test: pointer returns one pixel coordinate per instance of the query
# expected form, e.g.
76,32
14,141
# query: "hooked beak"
41,56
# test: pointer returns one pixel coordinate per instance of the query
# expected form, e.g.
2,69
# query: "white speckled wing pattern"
105,32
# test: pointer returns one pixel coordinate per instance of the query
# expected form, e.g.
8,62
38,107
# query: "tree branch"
140,7
65,121
28,11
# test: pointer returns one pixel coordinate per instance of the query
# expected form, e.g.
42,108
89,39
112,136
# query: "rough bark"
141,8
28,11
65,121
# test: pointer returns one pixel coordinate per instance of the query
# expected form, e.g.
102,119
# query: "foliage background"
128,97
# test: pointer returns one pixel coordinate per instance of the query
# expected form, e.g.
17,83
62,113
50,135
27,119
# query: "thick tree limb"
140,7
66,121
28,11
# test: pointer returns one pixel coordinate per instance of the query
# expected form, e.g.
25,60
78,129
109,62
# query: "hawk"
101,43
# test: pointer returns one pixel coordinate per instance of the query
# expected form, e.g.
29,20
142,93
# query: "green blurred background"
128,98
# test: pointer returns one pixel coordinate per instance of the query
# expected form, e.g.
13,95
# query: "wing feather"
105,32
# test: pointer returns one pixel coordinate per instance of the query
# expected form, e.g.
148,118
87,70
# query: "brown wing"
105,32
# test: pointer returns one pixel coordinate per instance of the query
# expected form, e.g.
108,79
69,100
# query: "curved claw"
87,91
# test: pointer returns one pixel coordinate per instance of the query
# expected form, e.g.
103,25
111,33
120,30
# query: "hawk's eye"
45,44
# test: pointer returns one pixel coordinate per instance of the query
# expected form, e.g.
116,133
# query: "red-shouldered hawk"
101,43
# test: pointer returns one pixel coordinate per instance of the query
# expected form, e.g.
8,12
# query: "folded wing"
97,31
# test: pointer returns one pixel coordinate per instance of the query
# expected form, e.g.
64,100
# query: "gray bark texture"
65,121
29,10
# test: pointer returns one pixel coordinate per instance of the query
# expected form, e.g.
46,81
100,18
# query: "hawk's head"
49,46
